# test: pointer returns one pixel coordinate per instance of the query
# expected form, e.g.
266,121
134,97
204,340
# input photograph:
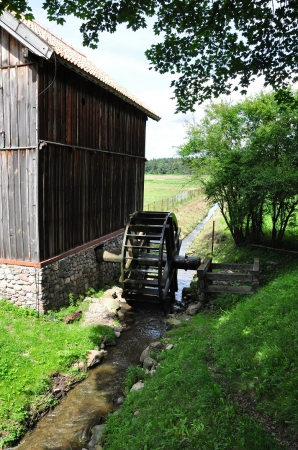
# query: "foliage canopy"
246,154
215,47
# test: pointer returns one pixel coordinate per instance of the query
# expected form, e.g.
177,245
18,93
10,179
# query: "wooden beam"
204,267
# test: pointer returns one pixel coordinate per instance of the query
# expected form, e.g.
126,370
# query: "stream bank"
69,425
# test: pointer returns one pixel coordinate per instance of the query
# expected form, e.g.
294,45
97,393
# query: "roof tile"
80,61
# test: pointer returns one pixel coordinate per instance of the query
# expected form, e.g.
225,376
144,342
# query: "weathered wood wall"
18,96
88,176
18,155
85,194
18,205
77,112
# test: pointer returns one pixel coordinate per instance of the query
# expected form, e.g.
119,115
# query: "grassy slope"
231,380
190,212
32,350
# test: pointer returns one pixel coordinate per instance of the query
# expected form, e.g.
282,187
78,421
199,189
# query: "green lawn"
158,187
230,382
32,350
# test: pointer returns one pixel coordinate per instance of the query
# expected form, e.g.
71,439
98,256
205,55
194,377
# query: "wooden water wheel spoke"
150,258
151,242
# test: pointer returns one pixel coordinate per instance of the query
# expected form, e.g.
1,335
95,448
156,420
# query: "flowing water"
185,277
68,426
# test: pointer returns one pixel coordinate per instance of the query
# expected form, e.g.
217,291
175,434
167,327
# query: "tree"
215,47
166,166
246,156
19,7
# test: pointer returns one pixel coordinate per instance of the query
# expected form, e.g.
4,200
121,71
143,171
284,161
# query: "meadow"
158,187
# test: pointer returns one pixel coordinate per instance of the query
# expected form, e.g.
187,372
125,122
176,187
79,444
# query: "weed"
133,375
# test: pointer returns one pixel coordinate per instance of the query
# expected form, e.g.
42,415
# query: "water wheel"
150,245
150,259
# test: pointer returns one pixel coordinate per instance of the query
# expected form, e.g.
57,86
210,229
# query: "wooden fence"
166,204
246,277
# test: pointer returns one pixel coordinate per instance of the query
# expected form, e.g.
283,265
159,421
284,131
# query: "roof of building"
49,44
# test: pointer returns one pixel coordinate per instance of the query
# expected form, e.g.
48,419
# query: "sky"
121,55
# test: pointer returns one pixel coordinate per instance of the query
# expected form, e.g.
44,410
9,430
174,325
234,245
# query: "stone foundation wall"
20,285
52,286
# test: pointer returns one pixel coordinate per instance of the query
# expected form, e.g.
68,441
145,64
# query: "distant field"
158,187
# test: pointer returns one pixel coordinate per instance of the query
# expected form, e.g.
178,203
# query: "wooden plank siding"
72,157
77,112
18,191
18,153
84,195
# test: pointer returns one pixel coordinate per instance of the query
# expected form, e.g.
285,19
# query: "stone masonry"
53,286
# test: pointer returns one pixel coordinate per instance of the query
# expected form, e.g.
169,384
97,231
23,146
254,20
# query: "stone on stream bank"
172,322
96,434
194,308
137,386
105,311
109,310
94,357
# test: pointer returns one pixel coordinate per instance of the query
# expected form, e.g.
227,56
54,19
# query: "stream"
68,426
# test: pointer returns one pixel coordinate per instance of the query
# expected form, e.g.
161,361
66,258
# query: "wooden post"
202,280
255,274
162,204
212,247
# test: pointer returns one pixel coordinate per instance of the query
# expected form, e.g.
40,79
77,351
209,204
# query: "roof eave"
24,35
107,87
41,48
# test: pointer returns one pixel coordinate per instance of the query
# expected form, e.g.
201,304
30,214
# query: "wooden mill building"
72,156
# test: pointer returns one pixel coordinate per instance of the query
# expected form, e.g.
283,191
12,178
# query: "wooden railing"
224,281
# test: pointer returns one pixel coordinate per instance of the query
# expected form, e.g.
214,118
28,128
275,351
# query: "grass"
33,349
190,212
230,382
158,187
